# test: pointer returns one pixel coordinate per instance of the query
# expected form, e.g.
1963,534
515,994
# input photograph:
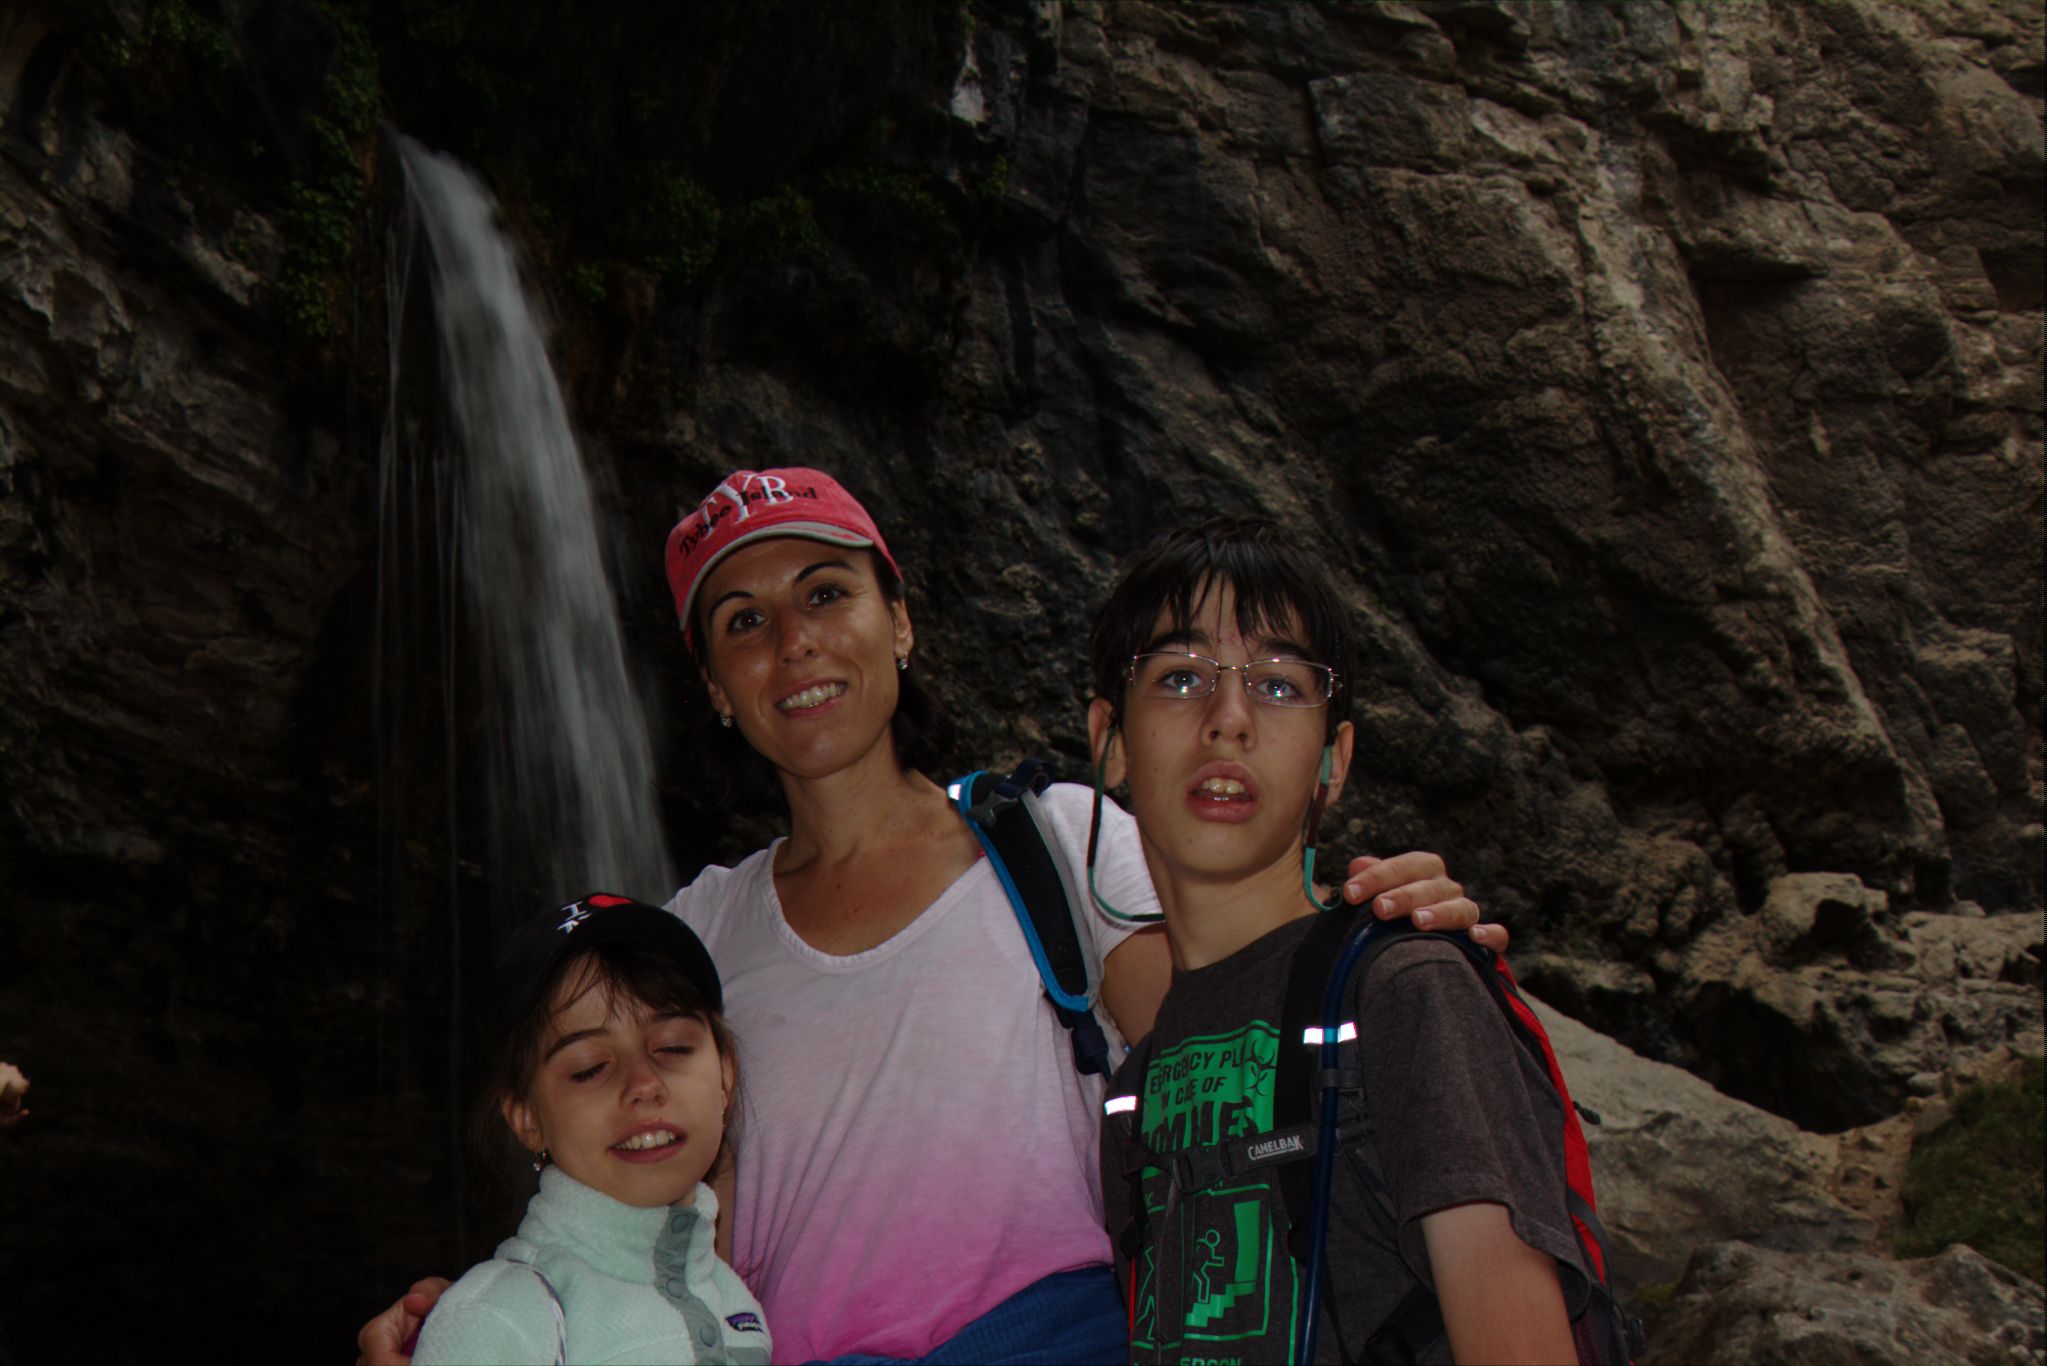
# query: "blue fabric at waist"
1072,1317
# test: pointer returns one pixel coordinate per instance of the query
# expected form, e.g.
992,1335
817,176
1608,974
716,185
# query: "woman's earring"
540,1159
902,663
725,719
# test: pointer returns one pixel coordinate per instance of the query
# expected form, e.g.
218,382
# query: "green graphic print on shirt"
1234,1285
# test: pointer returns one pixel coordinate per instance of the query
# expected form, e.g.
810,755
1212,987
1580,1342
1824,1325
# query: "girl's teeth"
1223,787
811,697
659,1138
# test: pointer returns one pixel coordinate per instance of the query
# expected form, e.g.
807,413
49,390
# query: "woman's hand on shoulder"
1417,885
385,1339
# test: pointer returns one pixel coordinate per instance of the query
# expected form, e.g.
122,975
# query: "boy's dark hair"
1276,582
618,971
923,732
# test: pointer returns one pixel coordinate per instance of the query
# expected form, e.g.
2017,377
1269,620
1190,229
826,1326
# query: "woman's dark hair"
1275,581
922,731
620,972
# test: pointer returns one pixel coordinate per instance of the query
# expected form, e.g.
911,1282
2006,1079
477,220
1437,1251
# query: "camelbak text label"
1277,1147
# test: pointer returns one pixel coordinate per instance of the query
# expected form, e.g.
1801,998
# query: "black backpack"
1004,814
1603,1333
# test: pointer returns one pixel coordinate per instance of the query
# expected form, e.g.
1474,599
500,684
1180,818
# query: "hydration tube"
1308,832
1325,1138
1094,839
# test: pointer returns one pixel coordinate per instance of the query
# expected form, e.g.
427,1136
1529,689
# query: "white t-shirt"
915,1145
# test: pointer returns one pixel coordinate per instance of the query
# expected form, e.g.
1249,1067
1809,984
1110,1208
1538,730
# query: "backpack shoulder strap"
1527,1028
1014,832
1295,1081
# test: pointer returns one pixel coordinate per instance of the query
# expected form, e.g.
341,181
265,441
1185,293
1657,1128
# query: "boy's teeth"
810,697
657,1139
1222,787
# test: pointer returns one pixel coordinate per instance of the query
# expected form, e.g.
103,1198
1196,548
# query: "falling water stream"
571,775
498,631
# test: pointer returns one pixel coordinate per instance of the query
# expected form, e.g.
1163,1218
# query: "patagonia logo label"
1276,1147
745,1323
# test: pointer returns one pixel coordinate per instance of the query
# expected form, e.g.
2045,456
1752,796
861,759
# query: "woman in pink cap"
916,1169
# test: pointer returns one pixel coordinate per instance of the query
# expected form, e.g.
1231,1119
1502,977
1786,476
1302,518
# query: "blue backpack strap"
1005,817
1295,1079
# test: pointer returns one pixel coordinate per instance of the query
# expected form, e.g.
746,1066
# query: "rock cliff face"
1664,379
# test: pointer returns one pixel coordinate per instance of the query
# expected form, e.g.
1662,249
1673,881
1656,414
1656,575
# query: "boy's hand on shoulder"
1417,885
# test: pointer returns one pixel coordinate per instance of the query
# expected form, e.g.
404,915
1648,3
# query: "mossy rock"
1978,1177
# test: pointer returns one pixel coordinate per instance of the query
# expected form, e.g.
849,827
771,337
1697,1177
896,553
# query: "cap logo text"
725,500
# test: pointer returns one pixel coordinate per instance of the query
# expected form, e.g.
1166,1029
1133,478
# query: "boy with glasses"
1221,671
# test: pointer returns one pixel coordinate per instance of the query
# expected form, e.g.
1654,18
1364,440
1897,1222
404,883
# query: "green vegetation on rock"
319,236
991,187
436,24
899,188
170,27
587,280
173,23
772,228
319,224
1977,1179
687,220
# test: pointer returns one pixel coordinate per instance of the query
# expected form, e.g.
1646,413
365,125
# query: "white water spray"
572,781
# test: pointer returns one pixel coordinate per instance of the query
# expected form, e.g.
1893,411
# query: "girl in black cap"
617,1073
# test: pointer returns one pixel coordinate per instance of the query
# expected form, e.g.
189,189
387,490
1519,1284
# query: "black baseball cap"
530,955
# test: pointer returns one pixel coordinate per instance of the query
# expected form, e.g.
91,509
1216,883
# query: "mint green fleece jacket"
634,1285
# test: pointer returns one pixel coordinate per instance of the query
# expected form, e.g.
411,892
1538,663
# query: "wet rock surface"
1664,381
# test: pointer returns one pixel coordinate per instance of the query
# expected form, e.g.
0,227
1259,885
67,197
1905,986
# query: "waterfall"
571,770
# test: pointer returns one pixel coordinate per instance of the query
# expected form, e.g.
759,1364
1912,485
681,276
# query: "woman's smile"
810,698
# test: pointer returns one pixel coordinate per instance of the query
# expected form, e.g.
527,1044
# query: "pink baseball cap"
752,505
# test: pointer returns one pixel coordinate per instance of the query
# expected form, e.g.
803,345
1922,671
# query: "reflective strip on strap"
1119,1105
1345,1032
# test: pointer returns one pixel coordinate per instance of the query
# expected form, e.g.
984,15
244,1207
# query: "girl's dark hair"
621,972
1275,581
923,732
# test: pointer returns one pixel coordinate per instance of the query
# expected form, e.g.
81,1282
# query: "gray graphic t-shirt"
1458,1112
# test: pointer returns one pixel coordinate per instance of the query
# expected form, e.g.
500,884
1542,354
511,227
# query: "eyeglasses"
1275,682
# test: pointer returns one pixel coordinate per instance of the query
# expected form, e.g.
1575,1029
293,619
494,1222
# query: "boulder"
1677,1165
1739,1304
1826,1004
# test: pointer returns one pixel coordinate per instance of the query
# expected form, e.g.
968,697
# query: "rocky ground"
1666,379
